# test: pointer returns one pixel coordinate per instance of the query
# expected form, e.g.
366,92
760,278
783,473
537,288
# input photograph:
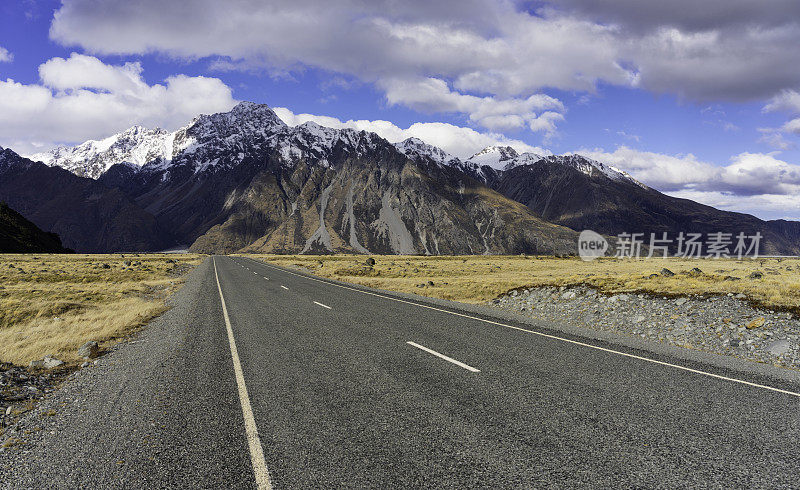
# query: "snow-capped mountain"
136,145
244,180
499,157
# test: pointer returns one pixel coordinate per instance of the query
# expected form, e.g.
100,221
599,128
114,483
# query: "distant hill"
18,235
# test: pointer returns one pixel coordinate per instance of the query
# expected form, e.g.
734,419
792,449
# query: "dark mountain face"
18,235
244,180
560,192
250,182
88,216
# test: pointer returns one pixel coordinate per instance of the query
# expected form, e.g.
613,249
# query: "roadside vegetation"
768,282
53,304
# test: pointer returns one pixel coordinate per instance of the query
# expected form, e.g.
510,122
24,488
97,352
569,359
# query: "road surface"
263,377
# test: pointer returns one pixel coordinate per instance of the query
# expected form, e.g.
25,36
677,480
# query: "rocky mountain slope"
244,180
87,215
18,235
583,194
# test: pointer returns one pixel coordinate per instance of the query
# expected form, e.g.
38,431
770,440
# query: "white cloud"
80,98
5,55
764,206
433,95
663,172
714,50
456,140
787,101
486,60
751,182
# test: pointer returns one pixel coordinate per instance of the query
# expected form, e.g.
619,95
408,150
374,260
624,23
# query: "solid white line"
554,337
448,359
253,441
324,306
284,287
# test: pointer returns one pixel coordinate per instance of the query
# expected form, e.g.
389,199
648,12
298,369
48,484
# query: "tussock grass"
476,279
52,304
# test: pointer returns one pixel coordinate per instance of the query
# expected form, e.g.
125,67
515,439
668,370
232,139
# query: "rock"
51,362
755,275
652,276
778,347
756,323
105,266
734,343
695,271
681,301
569,295
127,263
741,296
36,364
666,272
421,285
430,283
370,262
86,364
89,350
731,278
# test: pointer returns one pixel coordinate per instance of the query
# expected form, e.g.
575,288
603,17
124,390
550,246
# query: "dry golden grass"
476,279
52,304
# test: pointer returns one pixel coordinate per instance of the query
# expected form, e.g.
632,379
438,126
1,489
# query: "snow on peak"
499,157
136,145
415,148
593,167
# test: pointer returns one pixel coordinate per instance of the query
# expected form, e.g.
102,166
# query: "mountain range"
245,181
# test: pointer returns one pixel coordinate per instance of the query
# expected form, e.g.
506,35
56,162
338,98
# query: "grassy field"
52,304
477,279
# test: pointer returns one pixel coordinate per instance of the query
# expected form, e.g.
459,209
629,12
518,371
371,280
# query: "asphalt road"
332,386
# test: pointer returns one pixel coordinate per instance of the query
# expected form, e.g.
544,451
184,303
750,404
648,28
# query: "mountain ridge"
244,179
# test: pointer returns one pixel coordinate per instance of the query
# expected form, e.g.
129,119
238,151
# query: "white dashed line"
284,287
324,306
253,440
541,334
442,356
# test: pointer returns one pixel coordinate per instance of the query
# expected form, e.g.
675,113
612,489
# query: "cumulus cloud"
765,206
750,182
456,140
486,60
5,55
787,101
81,97
716,49
433,95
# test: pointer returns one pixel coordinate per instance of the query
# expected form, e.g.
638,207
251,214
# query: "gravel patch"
726,325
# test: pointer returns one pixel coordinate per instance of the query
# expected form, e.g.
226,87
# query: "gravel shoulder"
159,399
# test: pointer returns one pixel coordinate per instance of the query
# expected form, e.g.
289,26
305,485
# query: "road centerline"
324,306
257,459
442,356
542,334
284,287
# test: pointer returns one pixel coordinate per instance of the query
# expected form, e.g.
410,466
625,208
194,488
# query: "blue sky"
690,101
